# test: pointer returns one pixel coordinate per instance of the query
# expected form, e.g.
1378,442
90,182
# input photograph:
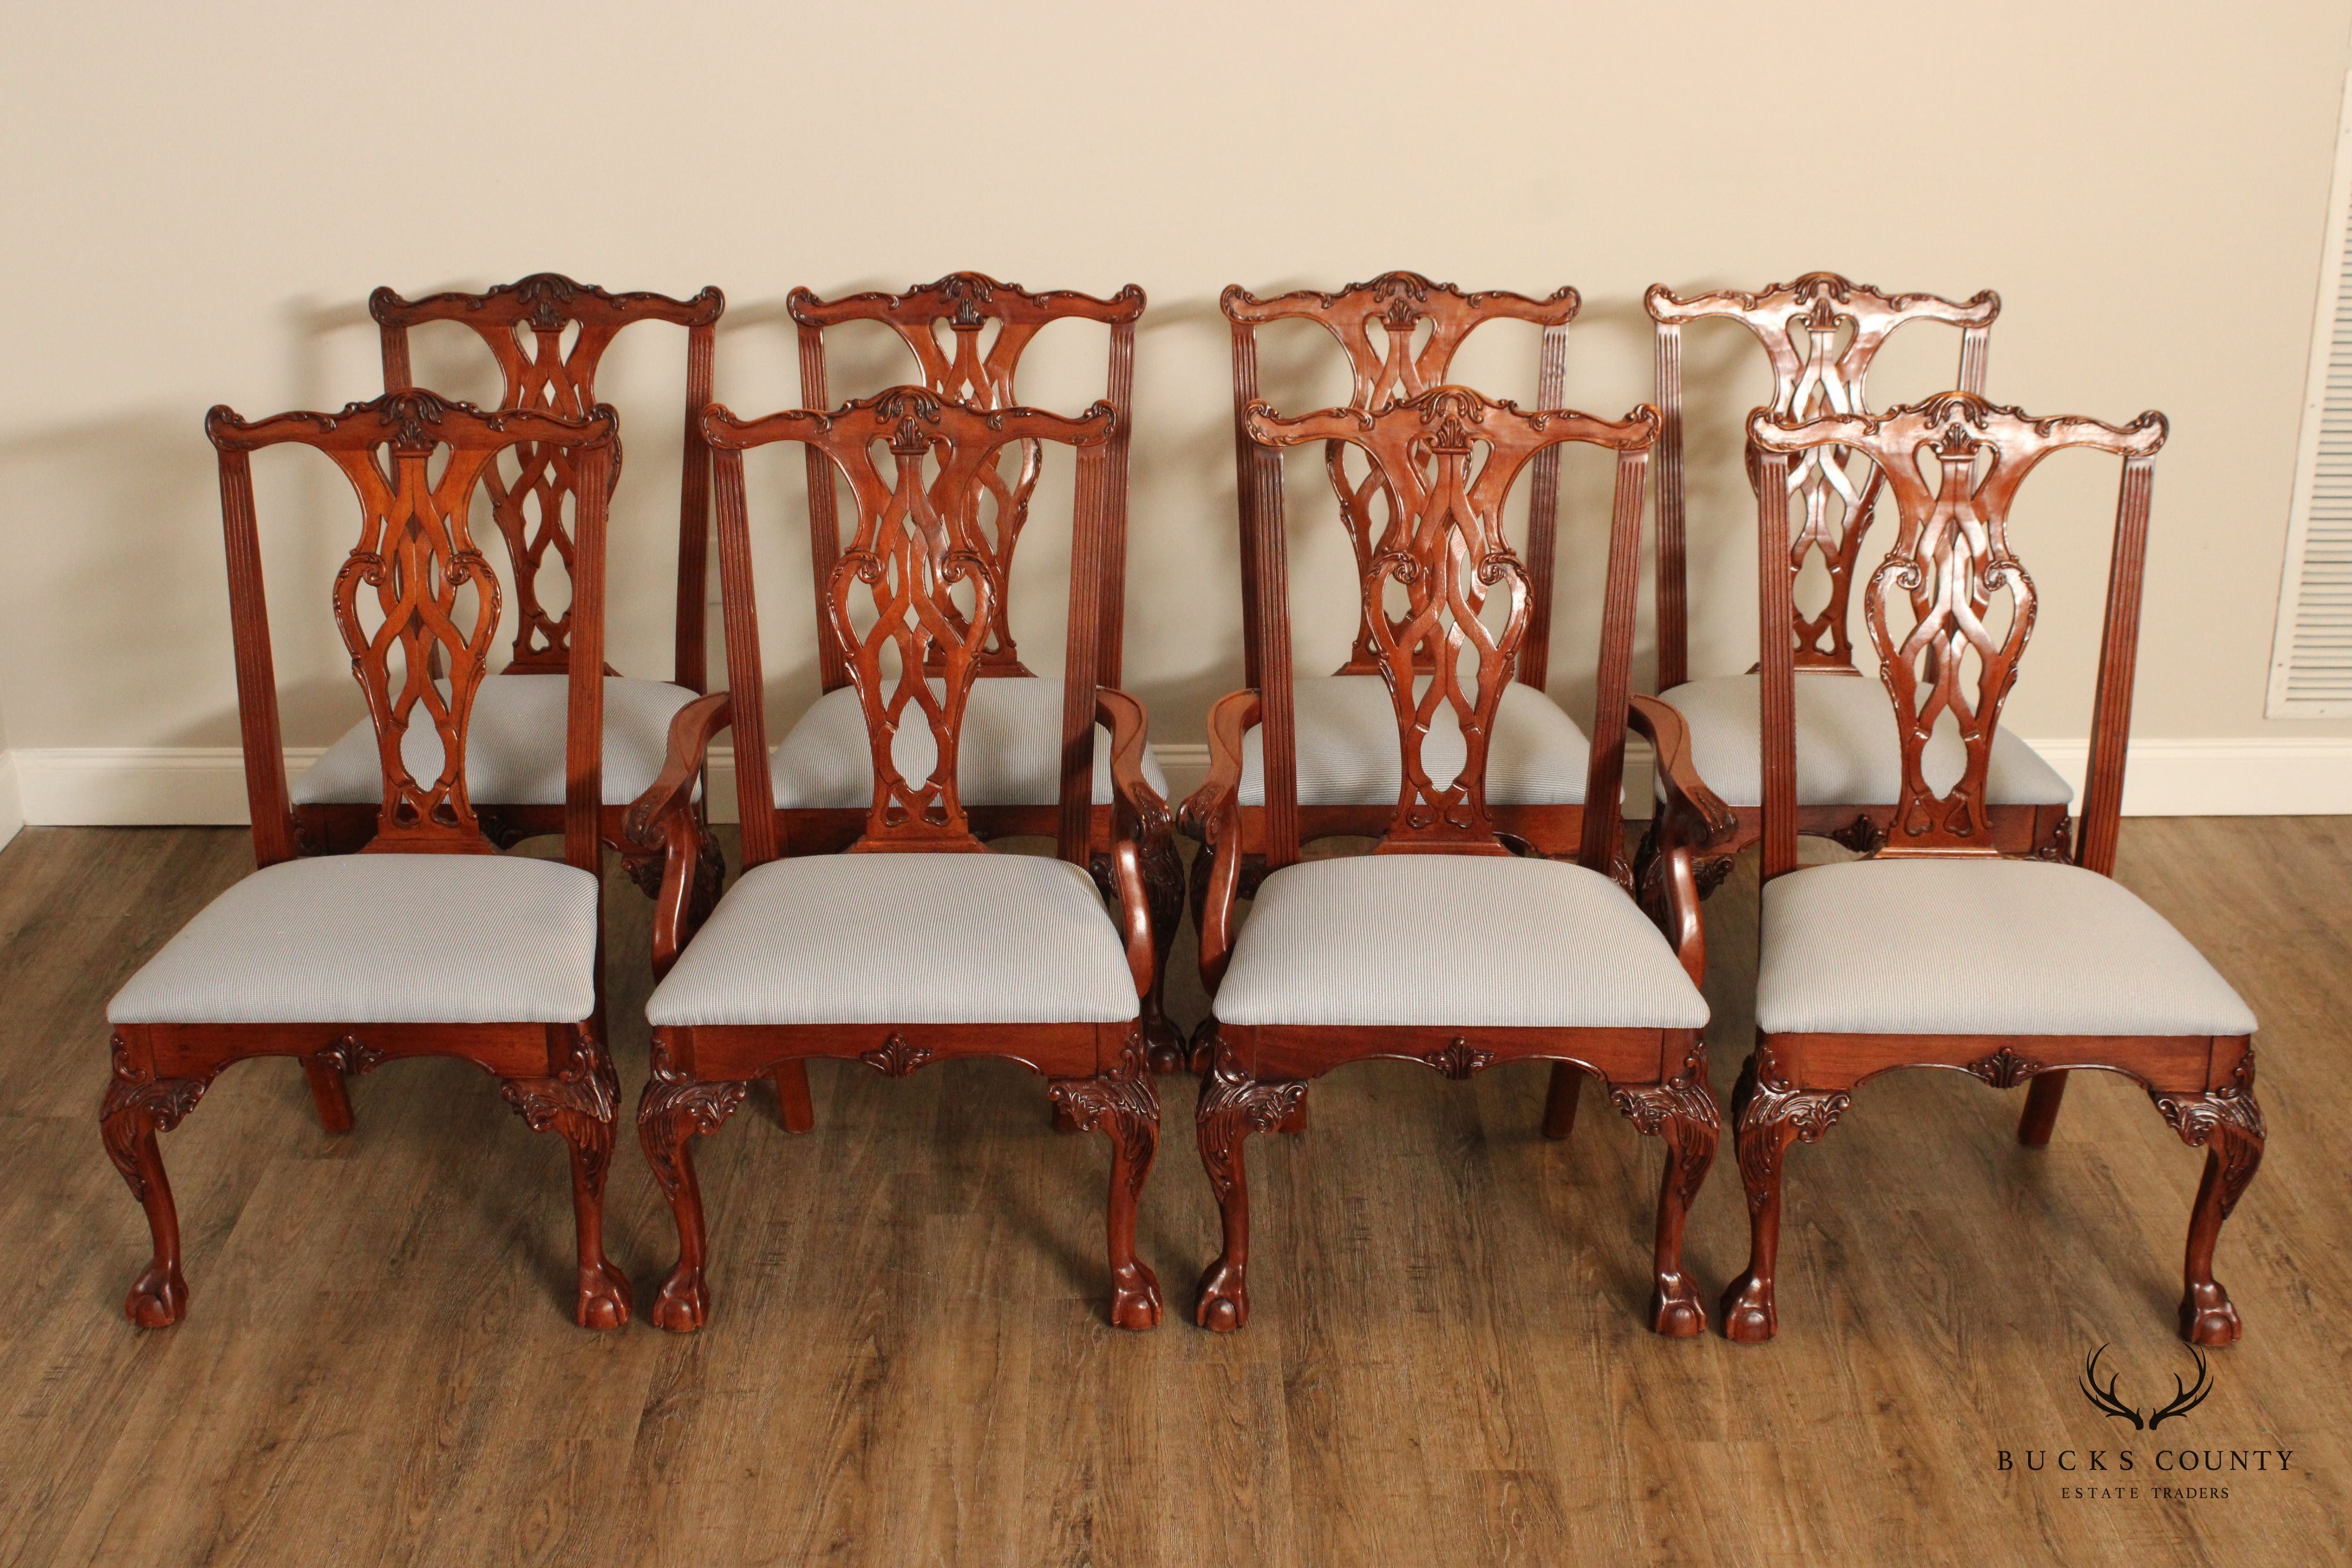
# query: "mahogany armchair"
1822,336
548,335
1941,948
1332,750
918,945
1442,946
427,942
967,334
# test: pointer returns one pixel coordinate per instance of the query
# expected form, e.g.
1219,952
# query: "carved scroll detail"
1232,1106
676,1107
1683,1110
896,1056
2005,1069
577,1103
136,1100
1459,1059
1122,1104
349,1055
1773,1108
2228,1120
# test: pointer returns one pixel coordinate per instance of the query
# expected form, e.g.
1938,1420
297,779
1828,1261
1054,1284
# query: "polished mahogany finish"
413,596
1821,335
967,332
1447,607
548,335
1949,611
1399,333
908,604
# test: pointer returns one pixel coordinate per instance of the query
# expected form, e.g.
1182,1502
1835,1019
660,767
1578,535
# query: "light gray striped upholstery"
1452,940
1979,947
1349,753
380,939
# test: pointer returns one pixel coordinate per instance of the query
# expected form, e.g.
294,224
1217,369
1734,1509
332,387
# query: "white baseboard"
134,786
12,800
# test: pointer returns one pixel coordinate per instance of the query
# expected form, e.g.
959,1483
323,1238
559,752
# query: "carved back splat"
1950,559
947,326
525,325
1448,458
1833,493
414,461
911,463
1399,333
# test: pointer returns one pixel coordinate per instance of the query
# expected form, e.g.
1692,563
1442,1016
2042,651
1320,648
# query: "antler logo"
2109,1402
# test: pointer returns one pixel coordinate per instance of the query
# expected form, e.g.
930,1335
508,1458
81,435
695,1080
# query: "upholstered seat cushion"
1349,753
903,939
1452,940
1848,753
1979,947
380,939
514,745
1009,753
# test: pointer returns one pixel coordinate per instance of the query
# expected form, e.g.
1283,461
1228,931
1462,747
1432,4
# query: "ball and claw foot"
604,1301
1170,1050
1135,1299
1748,1318
684,1302
158,1297
2208,1317
1224,1299
1675,1310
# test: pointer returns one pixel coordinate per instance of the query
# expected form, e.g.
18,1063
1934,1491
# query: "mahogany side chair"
1442,946
918,945
1943,948
967,334
1336,757
1822,336
428,942
548,335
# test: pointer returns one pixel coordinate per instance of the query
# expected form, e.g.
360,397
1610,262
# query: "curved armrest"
1691,817
1138,813
664,818
1213,812
691,730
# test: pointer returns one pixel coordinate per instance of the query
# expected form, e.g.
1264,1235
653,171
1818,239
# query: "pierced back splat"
1399,333
967,334
1449,458
1832,490
911,463
416,605
1954,464
548,335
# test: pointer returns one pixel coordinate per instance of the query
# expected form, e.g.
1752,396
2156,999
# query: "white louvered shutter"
2311,659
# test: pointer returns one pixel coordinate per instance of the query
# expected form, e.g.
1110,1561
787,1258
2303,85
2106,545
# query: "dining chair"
1332,753
1442,946
1944,947
1822,336
548,336
967,334
427,942
918,945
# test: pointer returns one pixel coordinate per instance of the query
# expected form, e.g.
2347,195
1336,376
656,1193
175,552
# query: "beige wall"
198,204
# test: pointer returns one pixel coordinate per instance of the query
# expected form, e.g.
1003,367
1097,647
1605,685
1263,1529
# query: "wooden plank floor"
905,1361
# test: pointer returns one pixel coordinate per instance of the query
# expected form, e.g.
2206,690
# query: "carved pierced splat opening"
548,335
1399,333
1445,598
910,601
1950,608
415,602
967,334
1821,334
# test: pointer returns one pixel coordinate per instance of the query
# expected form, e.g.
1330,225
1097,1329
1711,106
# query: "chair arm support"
664,818
1214,815
1690,818
1138,814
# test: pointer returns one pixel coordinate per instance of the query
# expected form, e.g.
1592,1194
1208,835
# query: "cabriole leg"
1774,1116
137,1106
1124,1106
1681,1111
1232,1106
2228,1124
674,1107
578,1103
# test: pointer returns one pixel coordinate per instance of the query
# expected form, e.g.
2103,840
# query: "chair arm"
1691,817
1139,816
1214,815
664,818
